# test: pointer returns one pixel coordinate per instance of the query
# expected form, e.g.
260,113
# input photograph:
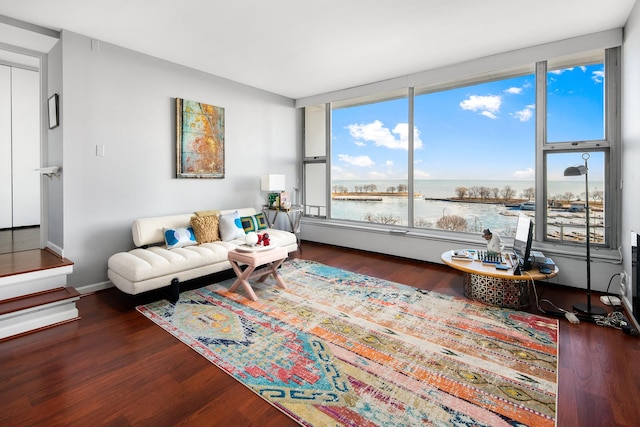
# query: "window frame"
320,158
610,145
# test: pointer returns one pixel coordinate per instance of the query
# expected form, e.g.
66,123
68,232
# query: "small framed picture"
53,111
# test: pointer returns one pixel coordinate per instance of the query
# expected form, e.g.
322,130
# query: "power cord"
571,317
608,299
615,319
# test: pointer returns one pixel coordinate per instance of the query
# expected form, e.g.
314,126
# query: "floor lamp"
585,309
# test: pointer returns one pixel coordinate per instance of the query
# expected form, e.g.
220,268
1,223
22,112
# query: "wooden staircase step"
36,311
24,302
30,261
33,292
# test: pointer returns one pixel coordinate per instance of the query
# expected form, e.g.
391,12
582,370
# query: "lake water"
479,216
446,188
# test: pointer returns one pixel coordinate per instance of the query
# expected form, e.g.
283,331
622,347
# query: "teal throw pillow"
254,222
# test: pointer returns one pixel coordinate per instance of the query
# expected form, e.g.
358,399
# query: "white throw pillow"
230,227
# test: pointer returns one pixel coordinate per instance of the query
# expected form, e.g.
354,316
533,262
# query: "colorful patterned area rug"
339,348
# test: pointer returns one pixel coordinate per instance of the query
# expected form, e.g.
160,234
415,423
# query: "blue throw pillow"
179,237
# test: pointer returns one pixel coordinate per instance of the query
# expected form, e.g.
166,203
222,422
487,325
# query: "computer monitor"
523,240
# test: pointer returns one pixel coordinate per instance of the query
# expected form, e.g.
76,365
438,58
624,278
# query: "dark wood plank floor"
115,367
29,261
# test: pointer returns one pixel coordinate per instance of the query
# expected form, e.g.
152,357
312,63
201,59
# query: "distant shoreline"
370,196
447,188
353,195
374,196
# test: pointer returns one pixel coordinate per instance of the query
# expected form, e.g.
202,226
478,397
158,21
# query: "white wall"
53,151
630,134
125,101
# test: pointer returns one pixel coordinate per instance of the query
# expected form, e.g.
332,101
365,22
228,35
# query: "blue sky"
484,131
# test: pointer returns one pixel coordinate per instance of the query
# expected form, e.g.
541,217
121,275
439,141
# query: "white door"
26,147
6,202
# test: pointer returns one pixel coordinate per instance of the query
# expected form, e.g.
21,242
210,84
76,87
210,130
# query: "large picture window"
369,161
462,157
475,166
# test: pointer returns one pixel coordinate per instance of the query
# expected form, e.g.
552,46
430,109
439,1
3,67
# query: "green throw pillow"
254,222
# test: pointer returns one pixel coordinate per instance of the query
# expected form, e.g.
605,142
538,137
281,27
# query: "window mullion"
328,134
612,134
541,140
410,154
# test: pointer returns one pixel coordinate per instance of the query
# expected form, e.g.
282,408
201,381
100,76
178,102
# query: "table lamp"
273,184
585,309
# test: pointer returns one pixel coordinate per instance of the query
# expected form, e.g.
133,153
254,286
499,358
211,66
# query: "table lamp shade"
272,182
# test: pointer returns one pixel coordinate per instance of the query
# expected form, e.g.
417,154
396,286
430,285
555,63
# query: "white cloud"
417,142
525,114
357,160
381,136
388,163
560,71
360,143
420,174
402,130
514,90
342,174
486,105
598,76
528,173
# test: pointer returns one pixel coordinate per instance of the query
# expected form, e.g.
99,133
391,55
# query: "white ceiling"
300,48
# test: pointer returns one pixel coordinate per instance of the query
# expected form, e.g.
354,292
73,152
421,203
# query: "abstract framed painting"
199,140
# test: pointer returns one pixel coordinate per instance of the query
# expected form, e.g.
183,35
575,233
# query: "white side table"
294,214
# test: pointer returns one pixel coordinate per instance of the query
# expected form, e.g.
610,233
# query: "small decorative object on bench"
252,238
155,264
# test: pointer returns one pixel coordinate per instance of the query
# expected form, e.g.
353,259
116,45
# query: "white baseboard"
94,287
55,248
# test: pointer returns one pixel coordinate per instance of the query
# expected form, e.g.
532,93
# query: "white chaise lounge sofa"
152,265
